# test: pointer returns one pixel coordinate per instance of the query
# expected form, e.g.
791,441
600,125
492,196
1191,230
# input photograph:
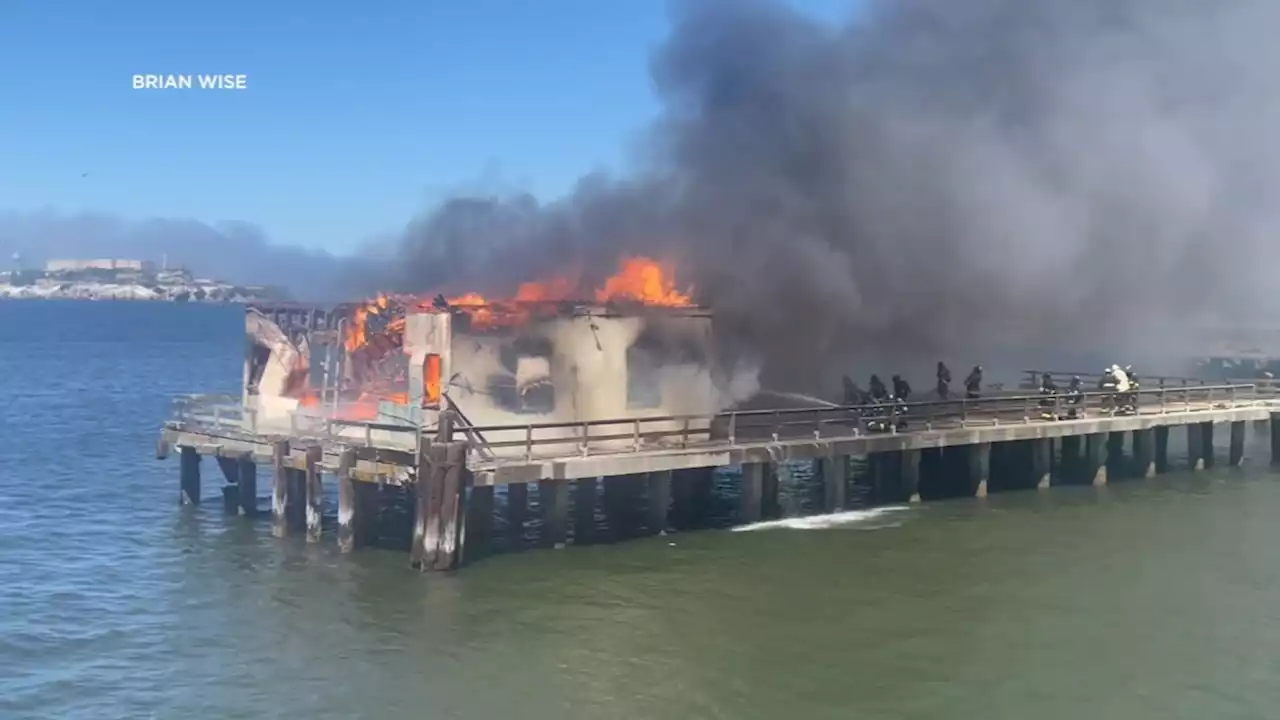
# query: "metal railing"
1031,380
566,439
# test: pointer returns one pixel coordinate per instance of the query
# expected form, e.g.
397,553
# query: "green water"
1146,599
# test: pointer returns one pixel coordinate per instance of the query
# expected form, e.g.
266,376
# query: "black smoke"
936,178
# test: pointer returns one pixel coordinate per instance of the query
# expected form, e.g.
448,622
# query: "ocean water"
1145,599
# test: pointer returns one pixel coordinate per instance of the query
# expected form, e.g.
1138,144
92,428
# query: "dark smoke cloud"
936,178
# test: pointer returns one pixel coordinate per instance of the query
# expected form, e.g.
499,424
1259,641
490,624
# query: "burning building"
636,347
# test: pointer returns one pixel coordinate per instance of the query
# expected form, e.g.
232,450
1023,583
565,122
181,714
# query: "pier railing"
225,414
1031,380
751,426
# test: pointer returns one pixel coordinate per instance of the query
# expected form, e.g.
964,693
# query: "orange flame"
643,280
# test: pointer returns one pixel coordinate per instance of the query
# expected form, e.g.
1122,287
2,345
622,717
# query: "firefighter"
1075,396
901,388
879,393
944,381
1048,394
973,383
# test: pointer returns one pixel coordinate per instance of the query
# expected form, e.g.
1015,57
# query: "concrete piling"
1144,455
1095,460
658,500
980,468
752,495
1115,451
1042,463
1162,448
477,529
515,513
314,493
1195,446
834,472
585,492
1070,462
189,476
1235,455
553,500
909,465
1206,439
1275,438
230,490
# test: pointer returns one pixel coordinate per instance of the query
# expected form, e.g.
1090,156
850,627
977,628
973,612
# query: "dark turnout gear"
973,383
1048,391
944,381
901,388
879,393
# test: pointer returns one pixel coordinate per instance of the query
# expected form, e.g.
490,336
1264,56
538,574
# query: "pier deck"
468,461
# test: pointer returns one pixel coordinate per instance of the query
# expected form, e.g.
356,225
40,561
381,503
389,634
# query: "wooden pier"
655,472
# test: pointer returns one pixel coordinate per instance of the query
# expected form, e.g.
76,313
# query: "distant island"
115,279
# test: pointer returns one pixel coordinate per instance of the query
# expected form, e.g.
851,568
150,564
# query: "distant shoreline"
129,284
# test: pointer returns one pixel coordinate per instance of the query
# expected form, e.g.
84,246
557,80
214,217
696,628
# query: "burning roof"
639,283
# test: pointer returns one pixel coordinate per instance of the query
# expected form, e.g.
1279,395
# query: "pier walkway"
917,450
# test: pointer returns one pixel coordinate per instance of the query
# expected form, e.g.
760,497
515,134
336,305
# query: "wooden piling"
230,468
1144,453
553,499
659,500
1095,459
979,468
834,471
437,525
1236,455
314,493
280,488
349,515
1195,446
189,477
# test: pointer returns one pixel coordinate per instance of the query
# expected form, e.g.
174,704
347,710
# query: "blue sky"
356,116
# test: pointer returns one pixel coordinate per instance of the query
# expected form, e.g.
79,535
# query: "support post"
1069,465
659,497
441,468
348,502
280,488
1144,456
1195,446
189,477
1095,460
749,501
1115,450
980,468
1042,463
770,508
1206,439
230,467
585,491
517,510
1275,439
477,536
1162,448
315,493
835,477
911,475
1236,456
553,499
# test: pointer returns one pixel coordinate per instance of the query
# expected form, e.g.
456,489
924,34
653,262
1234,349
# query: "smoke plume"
934,179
